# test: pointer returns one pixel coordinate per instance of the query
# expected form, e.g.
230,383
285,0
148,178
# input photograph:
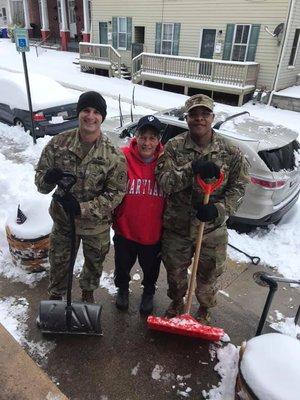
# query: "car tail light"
268,184
39,117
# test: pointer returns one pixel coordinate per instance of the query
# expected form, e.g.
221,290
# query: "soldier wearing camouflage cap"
101,183
198,152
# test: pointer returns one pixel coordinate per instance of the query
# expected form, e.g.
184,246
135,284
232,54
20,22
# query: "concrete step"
20,377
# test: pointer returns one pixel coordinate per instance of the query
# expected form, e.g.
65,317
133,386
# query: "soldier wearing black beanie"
101,174
92,99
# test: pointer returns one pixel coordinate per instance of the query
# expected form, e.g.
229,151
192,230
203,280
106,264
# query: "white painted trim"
200,39
118,31
162,34
234,33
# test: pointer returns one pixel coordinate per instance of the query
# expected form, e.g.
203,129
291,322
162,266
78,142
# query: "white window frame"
162,37
118,32
240,44
297,49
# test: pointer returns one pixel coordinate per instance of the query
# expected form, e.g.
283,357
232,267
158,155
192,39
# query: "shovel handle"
208,188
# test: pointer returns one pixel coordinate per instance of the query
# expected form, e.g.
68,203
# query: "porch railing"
101,55
232,73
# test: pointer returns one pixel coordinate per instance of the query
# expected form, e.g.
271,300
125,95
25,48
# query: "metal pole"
272,289
28,96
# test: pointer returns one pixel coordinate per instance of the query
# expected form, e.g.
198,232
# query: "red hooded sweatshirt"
139,216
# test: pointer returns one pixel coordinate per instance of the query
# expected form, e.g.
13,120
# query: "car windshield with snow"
53,106
273,154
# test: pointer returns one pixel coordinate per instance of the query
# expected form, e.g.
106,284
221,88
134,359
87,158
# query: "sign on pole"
22,39
22,44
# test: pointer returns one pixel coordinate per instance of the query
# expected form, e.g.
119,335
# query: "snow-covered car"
53,106
273,165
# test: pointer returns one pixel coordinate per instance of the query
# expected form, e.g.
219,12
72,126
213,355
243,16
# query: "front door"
207,49
137,48
103,38
72,18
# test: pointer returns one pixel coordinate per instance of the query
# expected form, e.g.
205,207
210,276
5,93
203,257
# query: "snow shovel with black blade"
185,324
67,317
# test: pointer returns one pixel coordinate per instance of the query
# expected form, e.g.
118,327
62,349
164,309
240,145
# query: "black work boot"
122,300
203,315
175,308
88,296
146,305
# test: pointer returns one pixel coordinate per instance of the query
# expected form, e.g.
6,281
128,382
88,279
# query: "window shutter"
175,47
129,33
228,41
115,32
254,34
158,37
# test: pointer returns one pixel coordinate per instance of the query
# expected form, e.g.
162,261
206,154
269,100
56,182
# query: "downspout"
283,47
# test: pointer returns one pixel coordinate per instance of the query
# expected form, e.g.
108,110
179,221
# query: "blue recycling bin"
3,33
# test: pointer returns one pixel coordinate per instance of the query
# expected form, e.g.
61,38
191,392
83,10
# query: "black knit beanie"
92,99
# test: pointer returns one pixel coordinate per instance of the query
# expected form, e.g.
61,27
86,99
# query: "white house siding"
287,75
194,15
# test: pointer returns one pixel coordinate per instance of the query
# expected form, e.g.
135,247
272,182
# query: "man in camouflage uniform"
101,183
198,152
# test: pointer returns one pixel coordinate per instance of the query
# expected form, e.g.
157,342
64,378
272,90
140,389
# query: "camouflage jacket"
175,176
101,179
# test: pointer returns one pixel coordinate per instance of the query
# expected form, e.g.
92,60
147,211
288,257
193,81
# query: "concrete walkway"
130,362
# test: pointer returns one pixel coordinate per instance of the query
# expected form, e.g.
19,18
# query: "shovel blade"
185,325
84,318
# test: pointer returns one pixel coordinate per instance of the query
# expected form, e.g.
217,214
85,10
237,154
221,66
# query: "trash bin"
3,33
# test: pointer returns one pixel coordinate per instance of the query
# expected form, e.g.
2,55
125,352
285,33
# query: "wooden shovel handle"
208,188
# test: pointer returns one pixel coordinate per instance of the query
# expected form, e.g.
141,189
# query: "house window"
167,38
122,32
240,43
4,18
294,48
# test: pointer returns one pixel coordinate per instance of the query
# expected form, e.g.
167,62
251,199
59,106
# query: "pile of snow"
270,366
278,246
38,221
227,368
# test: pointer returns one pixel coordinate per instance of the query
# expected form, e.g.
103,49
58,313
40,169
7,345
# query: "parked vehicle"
273,165
53,106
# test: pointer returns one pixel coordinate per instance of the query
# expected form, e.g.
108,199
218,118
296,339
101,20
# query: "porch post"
26,17
86,29
45,19
9,14
64,32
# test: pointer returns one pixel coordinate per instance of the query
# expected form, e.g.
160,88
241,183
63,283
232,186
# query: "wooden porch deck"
238,78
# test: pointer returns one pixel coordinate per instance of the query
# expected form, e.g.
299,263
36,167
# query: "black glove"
206,169
69,203
53,175
207,212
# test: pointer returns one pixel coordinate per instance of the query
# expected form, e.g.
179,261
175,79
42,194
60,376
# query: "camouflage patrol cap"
199,100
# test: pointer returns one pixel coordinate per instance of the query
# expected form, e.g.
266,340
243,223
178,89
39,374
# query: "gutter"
283,47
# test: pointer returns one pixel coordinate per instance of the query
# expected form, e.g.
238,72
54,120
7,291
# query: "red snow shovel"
185,324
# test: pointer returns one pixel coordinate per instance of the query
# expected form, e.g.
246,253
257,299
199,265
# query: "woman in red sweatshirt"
138,219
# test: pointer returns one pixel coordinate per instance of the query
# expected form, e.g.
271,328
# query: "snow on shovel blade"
185,325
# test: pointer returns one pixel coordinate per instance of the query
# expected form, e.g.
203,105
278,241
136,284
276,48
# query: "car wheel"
19,123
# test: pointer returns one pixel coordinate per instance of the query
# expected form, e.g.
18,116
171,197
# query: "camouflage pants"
177,253
95,248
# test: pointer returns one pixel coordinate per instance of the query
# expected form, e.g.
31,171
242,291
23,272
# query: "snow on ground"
227,368
293,91
13,316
